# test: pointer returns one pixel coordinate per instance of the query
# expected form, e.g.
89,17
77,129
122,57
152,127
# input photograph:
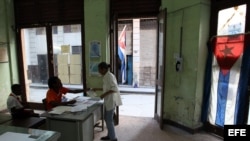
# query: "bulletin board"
4,55
95,57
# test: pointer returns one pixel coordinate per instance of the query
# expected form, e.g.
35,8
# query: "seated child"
15,106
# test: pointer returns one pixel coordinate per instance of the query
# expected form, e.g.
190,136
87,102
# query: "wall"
184,89
96,15
148,56
8,71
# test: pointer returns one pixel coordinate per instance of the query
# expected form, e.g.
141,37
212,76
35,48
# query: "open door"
161,46
114,56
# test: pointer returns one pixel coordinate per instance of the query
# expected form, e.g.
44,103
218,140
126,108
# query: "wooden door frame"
158,82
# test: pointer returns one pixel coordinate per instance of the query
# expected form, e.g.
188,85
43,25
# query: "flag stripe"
122,53
223,97
222,92
213,95
233,92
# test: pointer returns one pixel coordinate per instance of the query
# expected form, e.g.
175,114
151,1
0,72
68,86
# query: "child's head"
16,89
54,82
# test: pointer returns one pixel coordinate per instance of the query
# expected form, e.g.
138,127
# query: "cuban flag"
122,53
226,80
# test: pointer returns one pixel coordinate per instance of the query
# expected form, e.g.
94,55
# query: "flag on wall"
122,53
226,81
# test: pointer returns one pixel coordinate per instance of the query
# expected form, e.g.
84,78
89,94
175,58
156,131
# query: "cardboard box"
75,69
63,69
75,59
62,59
75,79
64,78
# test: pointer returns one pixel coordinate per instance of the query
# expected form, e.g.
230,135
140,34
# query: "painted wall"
8,70
184,89
96,15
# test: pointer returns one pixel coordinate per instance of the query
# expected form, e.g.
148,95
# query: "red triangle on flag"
227,50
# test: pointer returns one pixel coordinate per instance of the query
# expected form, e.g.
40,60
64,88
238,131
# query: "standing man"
112,98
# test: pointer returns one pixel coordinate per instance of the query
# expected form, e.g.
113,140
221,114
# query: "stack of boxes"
63,68
75,69
69,68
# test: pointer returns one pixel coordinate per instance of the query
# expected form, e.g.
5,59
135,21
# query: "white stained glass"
232,20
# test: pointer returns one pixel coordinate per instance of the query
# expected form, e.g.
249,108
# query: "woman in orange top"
56,91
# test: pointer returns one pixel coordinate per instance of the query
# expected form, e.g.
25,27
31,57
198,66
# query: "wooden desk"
39,135
30,122
77,126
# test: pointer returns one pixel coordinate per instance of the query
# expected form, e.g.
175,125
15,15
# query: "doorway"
137,51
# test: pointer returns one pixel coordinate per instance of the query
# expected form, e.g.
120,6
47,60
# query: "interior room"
181,67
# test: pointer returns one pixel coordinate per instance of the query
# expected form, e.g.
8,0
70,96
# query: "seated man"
16,107
56,92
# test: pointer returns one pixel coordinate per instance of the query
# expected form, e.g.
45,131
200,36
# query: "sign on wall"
3,55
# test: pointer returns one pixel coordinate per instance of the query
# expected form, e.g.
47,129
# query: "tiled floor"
137,105
136,123
147,129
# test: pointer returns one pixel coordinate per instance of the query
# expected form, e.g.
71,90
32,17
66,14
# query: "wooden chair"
44,104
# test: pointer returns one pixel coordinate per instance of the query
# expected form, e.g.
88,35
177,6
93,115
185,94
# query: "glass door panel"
67,49
34,46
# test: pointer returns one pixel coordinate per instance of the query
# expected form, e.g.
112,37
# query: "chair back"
44,104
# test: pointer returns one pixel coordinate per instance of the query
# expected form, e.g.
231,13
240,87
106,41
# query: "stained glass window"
232,20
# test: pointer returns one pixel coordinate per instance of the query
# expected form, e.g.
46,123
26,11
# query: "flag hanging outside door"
122,54
226,81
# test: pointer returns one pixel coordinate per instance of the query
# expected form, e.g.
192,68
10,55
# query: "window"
66,59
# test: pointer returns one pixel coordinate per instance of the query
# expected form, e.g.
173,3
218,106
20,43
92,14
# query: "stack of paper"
82,103
91,93
60,109
79,108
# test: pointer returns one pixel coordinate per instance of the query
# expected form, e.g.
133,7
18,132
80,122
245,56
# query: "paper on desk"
12,136
82,103
55,112
60,109
90,103
81,100
91,93
79,108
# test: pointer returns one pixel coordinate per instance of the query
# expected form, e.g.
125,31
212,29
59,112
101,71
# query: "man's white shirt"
110,83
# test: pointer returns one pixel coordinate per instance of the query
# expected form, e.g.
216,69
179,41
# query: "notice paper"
12,136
